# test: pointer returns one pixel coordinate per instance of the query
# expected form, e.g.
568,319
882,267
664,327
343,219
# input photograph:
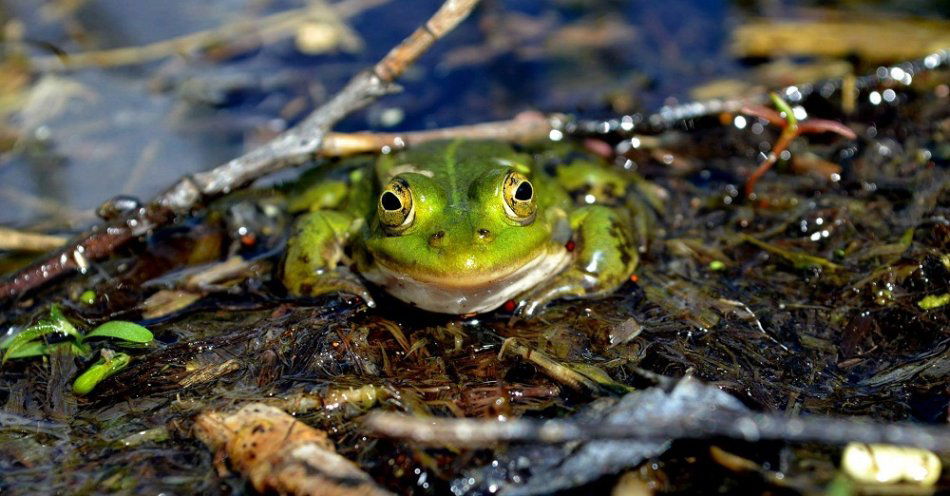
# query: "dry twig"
11,239
750,427
525,127
871,39
290,148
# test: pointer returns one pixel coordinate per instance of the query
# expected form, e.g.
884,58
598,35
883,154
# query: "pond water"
89,134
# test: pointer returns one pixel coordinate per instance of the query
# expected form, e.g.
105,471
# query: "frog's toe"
360,290
339,280
570,284
528,308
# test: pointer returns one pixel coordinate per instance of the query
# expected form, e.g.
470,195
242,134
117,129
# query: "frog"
465,227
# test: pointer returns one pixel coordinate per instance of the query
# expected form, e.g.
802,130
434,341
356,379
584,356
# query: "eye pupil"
524,191
390,201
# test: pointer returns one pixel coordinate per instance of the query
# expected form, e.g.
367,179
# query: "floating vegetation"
31,342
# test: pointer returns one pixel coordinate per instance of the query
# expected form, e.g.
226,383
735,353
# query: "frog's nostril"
484,234
437,238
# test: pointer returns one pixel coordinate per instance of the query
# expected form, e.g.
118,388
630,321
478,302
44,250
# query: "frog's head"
466,242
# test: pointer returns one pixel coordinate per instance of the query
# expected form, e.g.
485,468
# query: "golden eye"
395,209
520,204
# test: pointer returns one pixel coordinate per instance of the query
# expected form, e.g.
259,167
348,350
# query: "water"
135,129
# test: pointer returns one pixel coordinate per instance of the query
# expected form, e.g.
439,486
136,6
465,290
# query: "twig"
273,26
551,367
671,116
873,40
749,427
11,239
791,129
290,148
525,127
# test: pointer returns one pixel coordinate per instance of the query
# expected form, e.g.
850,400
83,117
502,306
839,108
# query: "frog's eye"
395,206
520,204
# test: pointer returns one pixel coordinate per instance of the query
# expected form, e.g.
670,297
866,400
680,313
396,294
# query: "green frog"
464,227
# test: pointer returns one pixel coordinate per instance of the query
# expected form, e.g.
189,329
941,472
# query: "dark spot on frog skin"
624,255
436,238
399,185
623,243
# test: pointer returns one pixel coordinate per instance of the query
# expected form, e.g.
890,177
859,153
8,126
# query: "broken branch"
11,239
525,127
749,427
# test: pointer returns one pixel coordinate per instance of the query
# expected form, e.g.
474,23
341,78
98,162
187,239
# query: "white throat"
477,298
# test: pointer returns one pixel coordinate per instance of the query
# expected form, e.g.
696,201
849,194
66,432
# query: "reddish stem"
810,126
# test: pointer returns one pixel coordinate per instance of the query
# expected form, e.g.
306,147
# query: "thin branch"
11,239
525,127
750,427
670,116
290,148
791,129
871,40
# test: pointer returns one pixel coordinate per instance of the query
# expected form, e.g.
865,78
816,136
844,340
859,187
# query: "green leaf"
798,259
99,372
784,108
26,337
121,329
26,343
63,324
600,377
41,328
27,350
934,301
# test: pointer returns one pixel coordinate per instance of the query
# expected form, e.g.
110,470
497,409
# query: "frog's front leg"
314,253
605,257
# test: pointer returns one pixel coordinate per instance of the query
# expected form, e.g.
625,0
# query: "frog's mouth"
464,295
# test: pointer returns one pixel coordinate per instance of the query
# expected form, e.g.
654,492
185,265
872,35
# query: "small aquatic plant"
33,342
